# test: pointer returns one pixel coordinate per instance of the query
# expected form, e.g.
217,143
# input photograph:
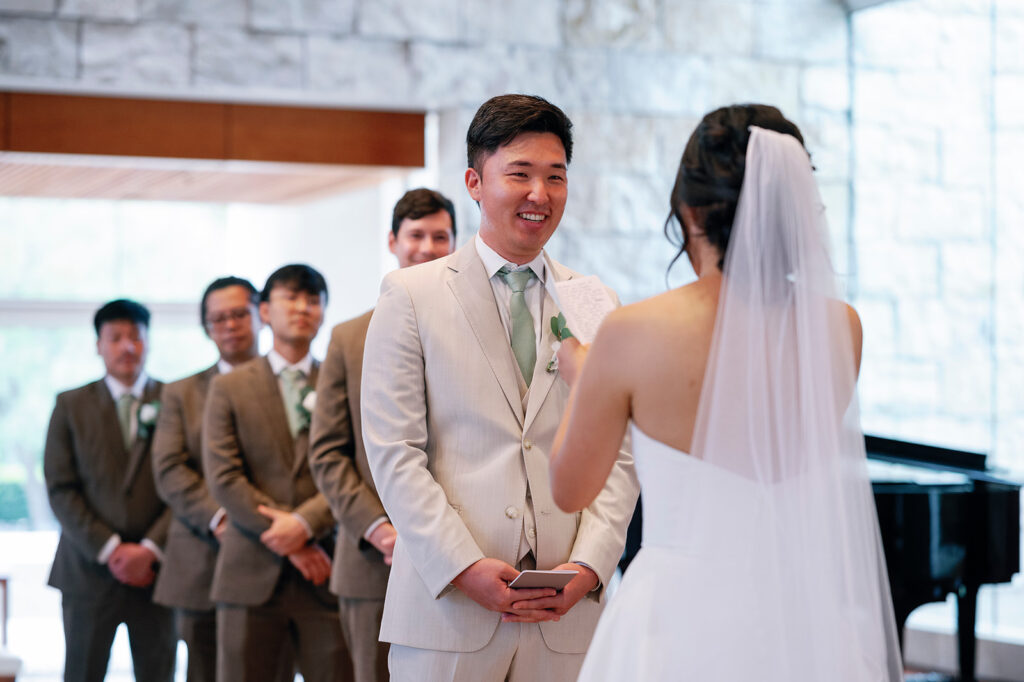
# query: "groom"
459,413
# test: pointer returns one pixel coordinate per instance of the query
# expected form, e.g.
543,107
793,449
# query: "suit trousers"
516,653
360,623
198,629
293,629
90,626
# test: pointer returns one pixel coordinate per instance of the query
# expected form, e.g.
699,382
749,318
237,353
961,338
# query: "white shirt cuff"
598,585
374,526
305,524
215,521
152,547
108,548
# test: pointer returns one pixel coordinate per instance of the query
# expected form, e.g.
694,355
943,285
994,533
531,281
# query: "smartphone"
554,579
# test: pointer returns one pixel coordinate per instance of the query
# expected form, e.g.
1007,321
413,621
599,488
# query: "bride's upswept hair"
711,171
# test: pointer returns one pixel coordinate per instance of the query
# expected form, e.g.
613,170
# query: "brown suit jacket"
191,550
97,487
251,459
338,461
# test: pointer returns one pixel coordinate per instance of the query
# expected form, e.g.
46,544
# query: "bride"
761,557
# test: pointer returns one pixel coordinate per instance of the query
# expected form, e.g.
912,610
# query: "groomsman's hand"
383,538
584,582
486,583
313,563
571,355
132,564
286,533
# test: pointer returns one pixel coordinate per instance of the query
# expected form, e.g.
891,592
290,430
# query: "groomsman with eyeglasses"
229,316
99,480
270,578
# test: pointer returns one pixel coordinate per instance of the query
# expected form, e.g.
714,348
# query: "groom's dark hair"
297,276
501,119
121,309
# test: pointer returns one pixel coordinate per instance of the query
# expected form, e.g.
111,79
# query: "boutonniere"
307,402
561,332
147,418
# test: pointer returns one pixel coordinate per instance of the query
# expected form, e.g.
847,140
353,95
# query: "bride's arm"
594,423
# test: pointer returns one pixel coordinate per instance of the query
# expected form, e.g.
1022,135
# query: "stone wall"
938,138
635,76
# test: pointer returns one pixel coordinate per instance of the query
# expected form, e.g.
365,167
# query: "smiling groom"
459,413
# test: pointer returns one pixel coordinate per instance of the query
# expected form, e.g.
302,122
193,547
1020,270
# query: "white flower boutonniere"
306,405
148,413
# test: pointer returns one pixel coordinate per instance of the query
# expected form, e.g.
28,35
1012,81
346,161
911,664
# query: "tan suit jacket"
191,550
98,488
251,459
457,459
338,461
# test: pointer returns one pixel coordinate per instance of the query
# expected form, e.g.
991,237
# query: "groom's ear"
473,184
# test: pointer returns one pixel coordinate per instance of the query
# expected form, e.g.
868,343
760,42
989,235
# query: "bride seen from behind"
761,557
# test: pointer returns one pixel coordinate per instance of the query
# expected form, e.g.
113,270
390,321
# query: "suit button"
527,444
532,532
511,512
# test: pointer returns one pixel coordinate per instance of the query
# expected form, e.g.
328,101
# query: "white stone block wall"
635,75
938,138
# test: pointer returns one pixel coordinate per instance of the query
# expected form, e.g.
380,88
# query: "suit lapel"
300,447
268,395
472,290
543,380
109,434
140,446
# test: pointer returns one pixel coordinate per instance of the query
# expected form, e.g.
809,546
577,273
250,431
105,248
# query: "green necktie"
124,416
294,381
524,338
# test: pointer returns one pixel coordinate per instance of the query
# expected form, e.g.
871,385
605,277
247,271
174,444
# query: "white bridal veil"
779,411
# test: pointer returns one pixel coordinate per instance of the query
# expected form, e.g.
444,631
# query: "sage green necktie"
293,381
524,338
124,416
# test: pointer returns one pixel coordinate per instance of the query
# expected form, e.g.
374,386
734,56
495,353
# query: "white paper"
585,302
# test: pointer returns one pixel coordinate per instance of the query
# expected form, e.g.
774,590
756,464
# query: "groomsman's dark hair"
418,203
224,283
501,119
121,309
298,277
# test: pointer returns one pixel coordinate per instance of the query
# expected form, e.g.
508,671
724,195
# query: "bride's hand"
571,355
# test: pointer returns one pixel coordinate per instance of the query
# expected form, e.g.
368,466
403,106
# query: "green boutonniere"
561,332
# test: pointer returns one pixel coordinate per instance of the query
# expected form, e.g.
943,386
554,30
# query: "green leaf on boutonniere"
559,328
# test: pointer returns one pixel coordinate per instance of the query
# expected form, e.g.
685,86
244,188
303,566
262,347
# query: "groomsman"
422,229
99,479
270,579
459,414
229,316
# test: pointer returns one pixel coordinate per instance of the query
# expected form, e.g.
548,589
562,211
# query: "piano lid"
903,452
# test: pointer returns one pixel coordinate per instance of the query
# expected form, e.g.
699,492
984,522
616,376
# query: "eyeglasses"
221,319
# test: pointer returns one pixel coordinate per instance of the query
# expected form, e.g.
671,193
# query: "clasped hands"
288,537
133,564
486,583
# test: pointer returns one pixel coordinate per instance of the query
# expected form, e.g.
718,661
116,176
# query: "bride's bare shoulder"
671,312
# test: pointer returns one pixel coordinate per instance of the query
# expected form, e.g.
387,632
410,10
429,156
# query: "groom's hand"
486,583
584,582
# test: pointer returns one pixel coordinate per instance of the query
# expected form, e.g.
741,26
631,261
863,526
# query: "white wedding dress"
692,606
761,556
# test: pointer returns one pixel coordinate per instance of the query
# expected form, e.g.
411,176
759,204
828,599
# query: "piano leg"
966,607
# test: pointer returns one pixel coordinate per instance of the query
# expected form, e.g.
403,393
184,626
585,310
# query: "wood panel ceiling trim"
74,124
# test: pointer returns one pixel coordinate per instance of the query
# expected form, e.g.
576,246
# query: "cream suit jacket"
454,454
191,550
250,458
337,459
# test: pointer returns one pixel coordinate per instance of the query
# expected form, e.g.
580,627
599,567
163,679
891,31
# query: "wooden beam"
72,124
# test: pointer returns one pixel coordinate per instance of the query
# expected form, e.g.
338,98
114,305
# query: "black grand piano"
948,525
